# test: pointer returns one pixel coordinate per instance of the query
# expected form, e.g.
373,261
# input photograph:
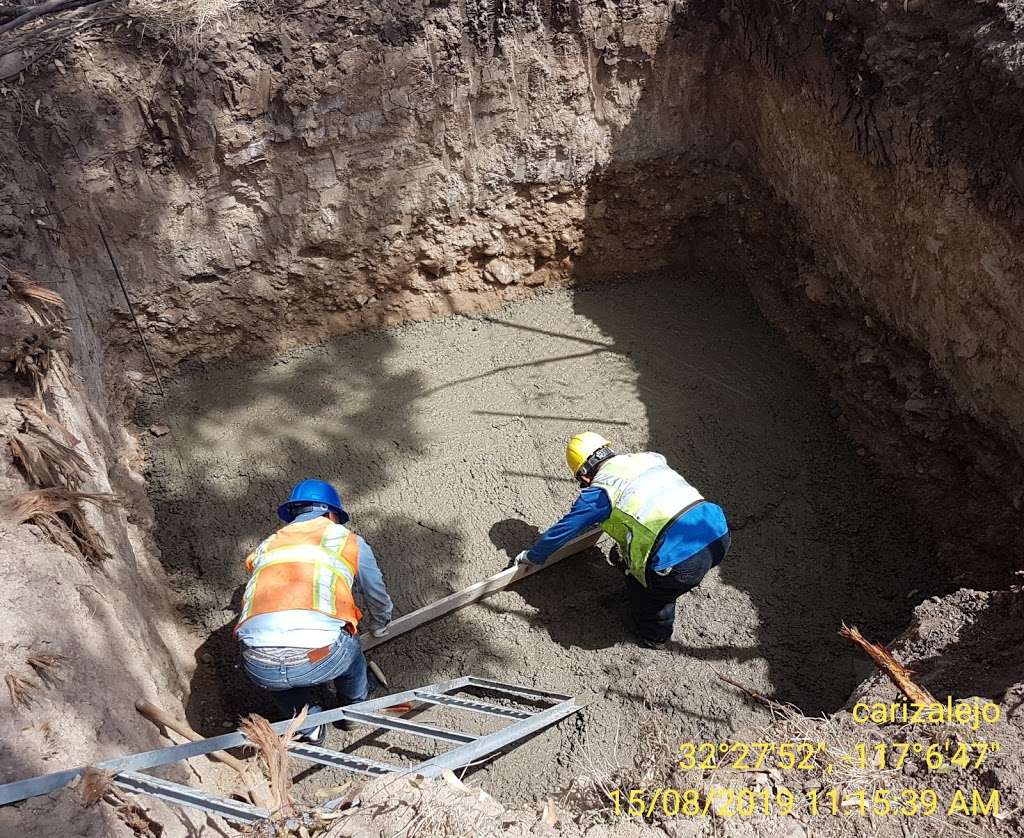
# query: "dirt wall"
88,626
310,174
866,123
889,127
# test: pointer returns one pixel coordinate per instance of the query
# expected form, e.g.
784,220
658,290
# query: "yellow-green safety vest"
646,495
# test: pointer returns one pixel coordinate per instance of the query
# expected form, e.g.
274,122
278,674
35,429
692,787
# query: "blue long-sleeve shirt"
374,595
688,534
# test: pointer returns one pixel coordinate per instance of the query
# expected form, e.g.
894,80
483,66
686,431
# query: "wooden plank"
474,593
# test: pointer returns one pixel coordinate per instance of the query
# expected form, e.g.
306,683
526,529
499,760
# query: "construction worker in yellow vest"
299,622
668,536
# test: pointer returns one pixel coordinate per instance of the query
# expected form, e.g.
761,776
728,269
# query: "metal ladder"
468,749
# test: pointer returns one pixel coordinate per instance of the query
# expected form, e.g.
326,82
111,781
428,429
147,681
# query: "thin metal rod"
131,310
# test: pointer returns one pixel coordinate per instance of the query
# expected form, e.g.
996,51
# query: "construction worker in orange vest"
299,621
668,536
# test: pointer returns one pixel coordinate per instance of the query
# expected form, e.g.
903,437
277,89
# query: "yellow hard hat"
581,447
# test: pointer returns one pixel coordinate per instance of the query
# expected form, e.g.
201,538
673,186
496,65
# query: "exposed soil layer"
446,439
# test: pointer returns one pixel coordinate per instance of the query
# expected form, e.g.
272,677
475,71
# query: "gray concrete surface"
445,439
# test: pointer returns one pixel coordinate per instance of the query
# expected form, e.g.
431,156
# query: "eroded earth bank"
653,199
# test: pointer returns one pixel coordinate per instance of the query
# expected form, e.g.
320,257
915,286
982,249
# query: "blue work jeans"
290,675
654,607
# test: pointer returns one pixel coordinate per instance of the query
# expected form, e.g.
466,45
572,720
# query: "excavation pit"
445,439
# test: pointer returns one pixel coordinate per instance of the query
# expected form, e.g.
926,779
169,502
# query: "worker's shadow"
580,601
220,693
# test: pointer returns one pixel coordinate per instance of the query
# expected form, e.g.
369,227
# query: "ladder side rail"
46,783
232,810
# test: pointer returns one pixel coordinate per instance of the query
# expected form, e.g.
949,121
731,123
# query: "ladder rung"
473,706
232,810
337,759
515,689
415,728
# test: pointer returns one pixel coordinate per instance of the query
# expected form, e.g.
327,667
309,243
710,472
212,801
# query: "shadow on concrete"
568,620
513,535
221,694
342,422
812,524
819,537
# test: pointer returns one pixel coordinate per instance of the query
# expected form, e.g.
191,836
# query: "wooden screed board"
474,593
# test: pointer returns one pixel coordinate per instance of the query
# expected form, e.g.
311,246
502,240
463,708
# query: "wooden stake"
159,717
378,673
893,669
258,796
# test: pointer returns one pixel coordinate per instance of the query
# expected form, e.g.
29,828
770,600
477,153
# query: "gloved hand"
518,560
382,631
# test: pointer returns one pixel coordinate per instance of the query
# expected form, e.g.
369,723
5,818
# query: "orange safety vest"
307,565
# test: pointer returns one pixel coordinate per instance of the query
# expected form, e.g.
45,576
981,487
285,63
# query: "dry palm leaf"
51,740
35,410
58,514
273,755
893,669
45,460
21,689
24,288
31,350
48,667
27,505
95,786
137,819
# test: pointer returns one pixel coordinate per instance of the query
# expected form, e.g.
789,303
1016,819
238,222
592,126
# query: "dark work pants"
654,608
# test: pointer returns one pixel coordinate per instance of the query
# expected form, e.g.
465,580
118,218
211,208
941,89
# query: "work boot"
647,643
313,735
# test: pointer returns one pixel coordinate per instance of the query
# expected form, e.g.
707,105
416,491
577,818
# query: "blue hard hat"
311,491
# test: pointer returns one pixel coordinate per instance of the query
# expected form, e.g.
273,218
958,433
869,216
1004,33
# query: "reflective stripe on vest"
308,565
645,495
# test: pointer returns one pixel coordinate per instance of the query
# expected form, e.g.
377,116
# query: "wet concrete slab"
446,441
